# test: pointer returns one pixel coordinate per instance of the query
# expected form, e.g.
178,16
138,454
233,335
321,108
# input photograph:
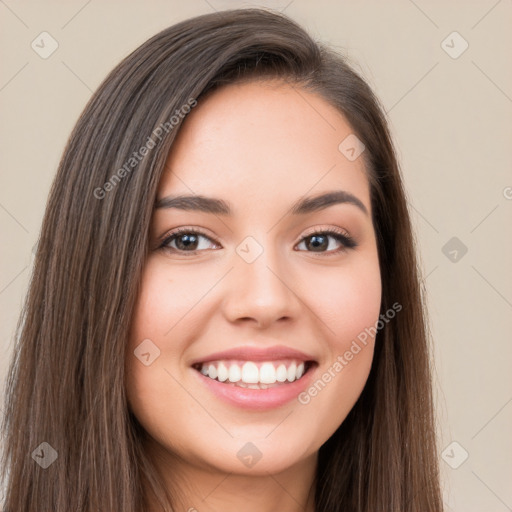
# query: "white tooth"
291,372
300,371
281,373
250,376
267,373
234,373
250,373
212,371
247,386
222,372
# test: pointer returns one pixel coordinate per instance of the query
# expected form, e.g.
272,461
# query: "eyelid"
341,235
347,241
324,229
184,229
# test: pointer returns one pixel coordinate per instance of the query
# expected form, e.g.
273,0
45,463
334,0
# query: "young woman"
226,311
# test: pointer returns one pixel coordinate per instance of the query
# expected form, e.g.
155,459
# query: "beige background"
451,118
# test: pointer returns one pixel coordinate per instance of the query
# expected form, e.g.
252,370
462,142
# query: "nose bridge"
259,285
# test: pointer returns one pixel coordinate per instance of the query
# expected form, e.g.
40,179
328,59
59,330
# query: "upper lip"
256,354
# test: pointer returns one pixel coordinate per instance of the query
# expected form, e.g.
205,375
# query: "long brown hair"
65,385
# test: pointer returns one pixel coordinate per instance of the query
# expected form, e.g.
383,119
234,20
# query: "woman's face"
263,283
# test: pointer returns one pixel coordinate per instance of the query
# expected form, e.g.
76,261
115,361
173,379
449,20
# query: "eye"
318,241
325,241
185,240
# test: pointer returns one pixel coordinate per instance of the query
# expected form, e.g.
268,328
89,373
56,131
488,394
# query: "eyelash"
347,242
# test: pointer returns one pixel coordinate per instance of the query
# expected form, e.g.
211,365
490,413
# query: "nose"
260,292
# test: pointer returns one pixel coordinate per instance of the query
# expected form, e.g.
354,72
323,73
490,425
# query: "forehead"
263,140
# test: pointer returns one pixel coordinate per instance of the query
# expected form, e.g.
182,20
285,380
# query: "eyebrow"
221,207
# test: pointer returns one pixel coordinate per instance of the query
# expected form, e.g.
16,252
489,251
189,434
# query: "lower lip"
259,399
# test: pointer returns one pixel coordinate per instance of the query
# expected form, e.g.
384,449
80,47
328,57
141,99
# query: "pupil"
186,241
315,241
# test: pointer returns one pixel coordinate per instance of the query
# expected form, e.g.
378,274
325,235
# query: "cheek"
348,304
155,323
338,305
166,304
348,301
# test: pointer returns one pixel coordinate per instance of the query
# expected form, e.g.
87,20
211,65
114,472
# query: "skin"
261,146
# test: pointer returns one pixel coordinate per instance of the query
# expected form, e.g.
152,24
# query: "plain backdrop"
442,71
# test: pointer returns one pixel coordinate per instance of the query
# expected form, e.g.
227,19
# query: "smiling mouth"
255,375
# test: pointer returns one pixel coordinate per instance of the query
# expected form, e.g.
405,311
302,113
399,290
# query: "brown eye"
186,240
319,242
